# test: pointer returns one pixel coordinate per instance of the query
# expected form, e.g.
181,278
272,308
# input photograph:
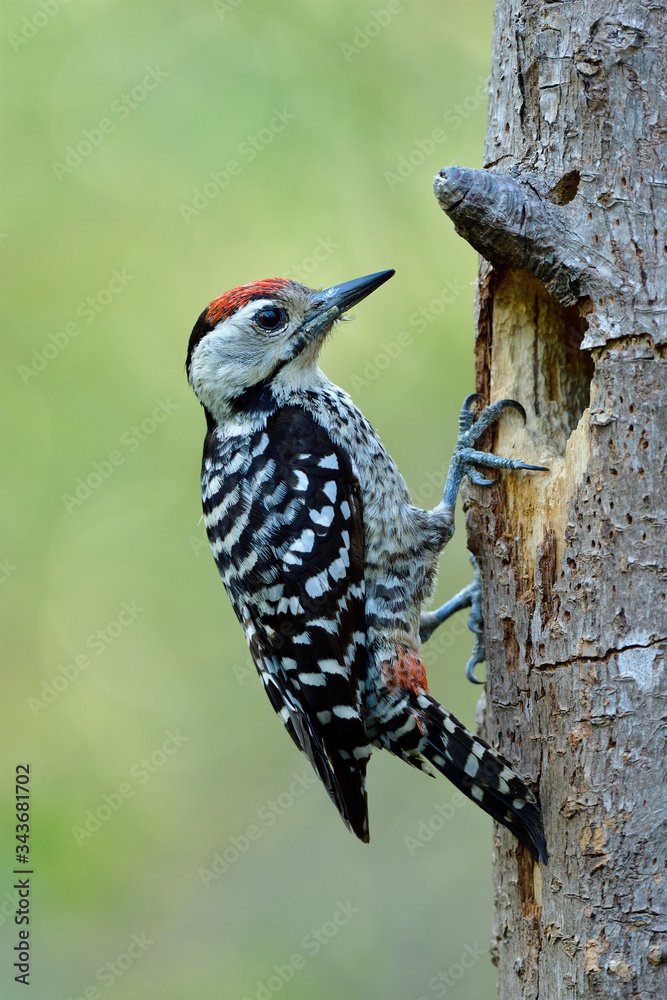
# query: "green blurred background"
116,115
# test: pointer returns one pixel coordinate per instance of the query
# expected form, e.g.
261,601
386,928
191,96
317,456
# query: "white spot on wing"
337,569
323,517
317,585
305,541
329,462
330,490
328,624
314,680
301,480
291,605
331,667
345,712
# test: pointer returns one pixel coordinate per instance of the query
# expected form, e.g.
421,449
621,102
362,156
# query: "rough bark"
570,214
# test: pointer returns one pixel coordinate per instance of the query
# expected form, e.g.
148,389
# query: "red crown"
228,303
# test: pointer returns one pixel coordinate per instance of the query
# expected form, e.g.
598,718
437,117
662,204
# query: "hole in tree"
566,188
539,356
575,378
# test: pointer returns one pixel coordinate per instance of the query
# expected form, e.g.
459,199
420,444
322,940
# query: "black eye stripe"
270,317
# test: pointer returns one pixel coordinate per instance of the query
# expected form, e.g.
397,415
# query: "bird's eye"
270,318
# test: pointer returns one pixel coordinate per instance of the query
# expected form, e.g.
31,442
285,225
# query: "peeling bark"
570,214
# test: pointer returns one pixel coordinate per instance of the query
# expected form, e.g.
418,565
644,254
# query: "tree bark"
570,215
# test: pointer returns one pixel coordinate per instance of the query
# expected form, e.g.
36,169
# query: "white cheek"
230,358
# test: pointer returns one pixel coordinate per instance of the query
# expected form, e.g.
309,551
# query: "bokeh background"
175,852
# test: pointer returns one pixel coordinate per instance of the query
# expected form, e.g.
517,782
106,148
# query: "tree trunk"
570,215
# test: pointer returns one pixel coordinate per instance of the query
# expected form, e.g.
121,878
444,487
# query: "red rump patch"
406,670
227,304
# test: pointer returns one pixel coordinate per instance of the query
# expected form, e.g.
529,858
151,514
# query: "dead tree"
570,217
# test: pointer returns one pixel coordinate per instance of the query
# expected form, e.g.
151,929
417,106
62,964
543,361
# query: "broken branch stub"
510,222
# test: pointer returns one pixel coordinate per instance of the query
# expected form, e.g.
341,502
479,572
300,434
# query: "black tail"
481,773
344,780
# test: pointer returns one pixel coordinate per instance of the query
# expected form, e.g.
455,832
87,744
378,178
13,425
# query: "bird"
326,561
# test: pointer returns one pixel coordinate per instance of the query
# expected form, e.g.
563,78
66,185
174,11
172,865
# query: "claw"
511,404
476,626
466,456
464,460
532,468
479,480
475,623
470,399
478,656
469,597
470,671
490,415
466,416
469,457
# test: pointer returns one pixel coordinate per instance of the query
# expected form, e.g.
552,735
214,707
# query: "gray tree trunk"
570,214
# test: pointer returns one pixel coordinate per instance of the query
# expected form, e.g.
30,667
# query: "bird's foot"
466,458
476,625
469,597
465,462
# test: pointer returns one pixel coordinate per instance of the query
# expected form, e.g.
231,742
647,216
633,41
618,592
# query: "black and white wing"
284,517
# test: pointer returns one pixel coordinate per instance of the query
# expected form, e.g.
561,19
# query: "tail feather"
480,772
344,780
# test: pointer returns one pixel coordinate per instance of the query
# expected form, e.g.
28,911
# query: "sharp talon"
466,456
469,400
470,670
478,480
475,626
513,404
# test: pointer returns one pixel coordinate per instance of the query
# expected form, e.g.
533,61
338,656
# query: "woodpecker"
327,562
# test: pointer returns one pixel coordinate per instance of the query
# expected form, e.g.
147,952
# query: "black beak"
331,303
